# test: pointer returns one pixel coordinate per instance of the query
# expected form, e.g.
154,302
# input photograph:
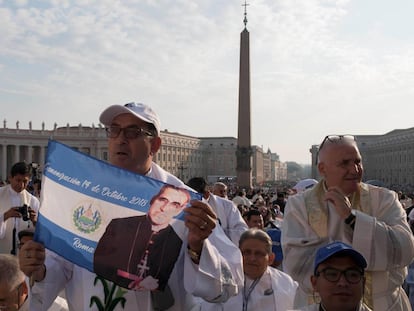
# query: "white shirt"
10,198
229,217
275,291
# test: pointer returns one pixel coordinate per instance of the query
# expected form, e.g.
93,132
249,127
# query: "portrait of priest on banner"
139,252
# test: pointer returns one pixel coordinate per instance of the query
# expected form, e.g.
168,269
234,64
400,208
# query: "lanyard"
246,296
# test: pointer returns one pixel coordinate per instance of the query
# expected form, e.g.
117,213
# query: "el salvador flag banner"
80,197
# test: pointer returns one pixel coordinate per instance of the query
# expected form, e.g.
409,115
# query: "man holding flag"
208,266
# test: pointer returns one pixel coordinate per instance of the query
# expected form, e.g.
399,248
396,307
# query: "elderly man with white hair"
220,189
14,291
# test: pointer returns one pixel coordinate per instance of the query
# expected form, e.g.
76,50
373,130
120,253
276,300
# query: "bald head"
333,142
340,163
220,189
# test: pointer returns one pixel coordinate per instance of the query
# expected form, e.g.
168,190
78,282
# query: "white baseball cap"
139,110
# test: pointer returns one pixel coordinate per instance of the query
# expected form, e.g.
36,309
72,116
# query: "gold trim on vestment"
318,215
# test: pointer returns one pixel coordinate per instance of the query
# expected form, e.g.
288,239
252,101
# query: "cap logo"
131,105
331,246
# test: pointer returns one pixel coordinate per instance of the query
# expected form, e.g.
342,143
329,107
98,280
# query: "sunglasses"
333,139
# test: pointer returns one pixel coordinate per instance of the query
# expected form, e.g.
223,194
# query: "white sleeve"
236,225
3,226
384,232
299,242
34,203
220,271
58,273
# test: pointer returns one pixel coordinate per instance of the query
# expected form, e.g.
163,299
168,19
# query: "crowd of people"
336,244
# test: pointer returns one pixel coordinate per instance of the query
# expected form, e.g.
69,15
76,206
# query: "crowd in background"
260,208
334,245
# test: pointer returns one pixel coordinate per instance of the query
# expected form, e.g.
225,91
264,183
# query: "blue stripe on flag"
76,171
65,243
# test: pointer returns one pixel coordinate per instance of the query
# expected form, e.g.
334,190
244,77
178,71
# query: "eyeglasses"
352,275
130,132
333,139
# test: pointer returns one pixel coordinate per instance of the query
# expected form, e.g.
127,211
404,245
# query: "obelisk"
244,148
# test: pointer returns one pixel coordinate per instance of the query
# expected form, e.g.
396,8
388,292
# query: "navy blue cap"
336,248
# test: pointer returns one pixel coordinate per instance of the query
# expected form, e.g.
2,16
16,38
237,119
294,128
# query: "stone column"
29,154
4,172
16,154
42,159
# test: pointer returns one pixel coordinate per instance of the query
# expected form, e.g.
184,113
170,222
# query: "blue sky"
318,67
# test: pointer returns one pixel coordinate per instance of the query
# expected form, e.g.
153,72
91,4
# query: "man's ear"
271,258
24,289
155,144
321,168
313,280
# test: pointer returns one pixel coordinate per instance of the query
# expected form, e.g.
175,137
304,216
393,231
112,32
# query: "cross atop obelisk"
245,13
244,148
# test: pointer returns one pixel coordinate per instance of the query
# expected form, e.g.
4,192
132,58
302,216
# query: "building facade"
182,155
387,158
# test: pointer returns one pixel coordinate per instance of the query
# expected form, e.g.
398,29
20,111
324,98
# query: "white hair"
10,274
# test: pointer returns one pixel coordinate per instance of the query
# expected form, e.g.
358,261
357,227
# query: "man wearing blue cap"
338,279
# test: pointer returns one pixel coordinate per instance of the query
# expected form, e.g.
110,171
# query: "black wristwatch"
350,220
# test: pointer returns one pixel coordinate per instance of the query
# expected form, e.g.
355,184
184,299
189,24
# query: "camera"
24,210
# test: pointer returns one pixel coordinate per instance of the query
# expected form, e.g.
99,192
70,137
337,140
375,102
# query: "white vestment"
215,279
229,217
316,307
239,200
381,235
10,198
60,304
275,291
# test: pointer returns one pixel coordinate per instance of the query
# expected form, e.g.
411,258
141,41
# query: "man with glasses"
338,279
342,208
265,288
208,266
14,291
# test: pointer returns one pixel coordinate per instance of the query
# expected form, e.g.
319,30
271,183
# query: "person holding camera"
18,208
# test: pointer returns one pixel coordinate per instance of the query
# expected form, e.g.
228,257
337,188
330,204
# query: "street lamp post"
181,169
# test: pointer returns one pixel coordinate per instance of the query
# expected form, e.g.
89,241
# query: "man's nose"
342,280
164,206
355,168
